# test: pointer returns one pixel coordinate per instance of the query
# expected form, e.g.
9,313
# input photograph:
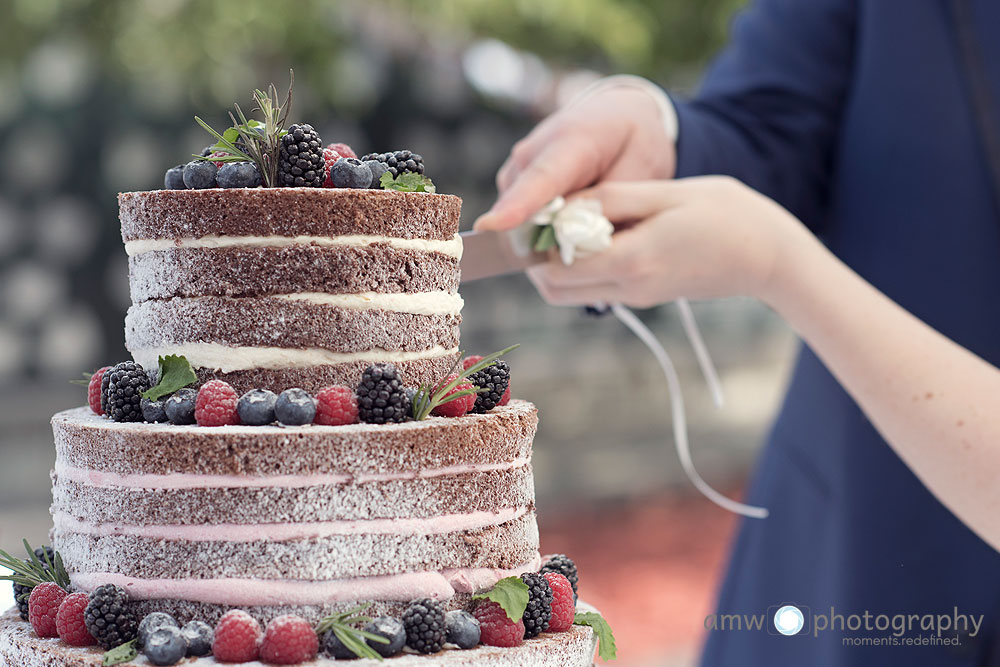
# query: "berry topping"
350,172
463,629
43,606
216,404
505,399
237,637
300,158
377,169
424,621
110,618
335,648
399,162
174,178
331,154
381,396
336,406
288,640
295,407
165,646
70,621
341,149
238,175
153,411
122,388
94,390
458,406
199,174
180,407
256,407
496,628
390,628
45,555
565,566
199,638
471,361
538,613
494,379
152,622
563,602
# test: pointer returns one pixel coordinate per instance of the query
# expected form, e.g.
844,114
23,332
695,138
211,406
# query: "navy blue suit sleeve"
770,106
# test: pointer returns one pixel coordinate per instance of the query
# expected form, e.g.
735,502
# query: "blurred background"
99,97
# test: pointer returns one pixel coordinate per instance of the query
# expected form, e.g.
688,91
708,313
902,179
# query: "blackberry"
494,379
426,628
109,617
121,391
382,398
300,158
19,590
538,613
398,162
564,565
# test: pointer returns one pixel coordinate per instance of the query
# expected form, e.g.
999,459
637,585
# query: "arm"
933,401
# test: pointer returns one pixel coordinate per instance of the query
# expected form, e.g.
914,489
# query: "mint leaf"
605,637
175,373
407,182
511,594
120,654
545,239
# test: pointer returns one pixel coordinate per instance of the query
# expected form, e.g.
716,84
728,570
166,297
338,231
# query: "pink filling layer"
278,532
257,592
192,481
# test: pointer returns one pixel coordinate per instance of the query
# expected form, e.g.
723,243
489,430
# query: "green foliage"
511,594
124,653
344,626
175,373
35,571
407,182
606,647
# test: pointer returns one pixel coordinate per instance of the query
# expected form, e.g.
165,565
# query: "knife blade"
488,254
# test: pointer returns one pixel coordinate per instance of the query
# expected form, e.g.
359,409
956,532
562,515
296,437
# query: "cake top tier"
288,212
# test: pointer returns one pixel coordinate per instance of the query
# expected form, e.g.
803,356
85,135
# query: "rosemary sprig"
429,397
34,571
343,626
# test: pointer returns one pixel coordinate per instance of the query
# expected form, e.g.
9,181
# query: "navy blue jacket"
857,116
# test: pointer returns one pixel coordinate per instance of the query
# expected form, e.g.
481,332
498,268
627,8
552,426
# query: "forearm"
932,400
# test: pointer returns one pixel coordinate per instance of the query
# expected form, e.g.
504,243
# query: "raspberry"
288,640
563,607
237,637
216,404
330,156
336,406
218,165
496,629
459,406
43,606
470,361
94,390
70,622
505,399
343,150
565,566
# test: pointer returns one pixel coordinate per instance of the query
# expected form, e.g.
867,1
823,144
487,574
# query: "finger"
559,168
637,200
577,296
608,266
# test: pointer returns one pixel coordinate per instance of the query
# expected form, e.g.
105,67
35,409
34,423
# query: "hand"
698,237
615,134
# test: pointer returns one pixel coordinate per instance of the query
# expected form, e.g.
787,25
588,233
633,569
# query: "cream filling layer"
237,592
281,532
416,303
451,247
112,480
227,359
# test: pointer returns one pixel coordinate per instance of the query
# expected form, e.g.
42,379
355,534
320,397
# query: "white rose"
581,229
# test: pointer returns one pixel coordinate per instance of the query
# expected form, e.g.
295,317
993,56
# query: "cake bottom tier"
19,646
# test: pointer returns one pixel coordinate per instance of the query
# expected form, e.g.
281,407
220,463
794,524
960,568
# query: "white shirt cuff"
668,113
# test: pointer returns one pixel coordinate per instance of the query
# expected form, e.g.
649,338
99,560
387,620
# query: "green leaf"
407,182
120,654
546,239
511,594
605,637
175,373
34,571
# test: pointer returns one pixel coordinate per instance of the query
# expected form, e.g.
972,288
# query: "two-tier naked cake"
275,288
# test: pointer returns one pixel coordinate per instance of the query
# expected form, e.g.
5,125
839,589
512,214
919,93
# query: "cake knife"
488,254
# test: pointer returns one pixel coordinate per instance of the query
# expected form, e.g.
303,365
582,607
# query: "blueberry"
238,175
463,629
295,407
390,628
153,622
152,411
377,168
180,407
335,648
199,638
165,645
199,174
174,178
350,172
256,407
